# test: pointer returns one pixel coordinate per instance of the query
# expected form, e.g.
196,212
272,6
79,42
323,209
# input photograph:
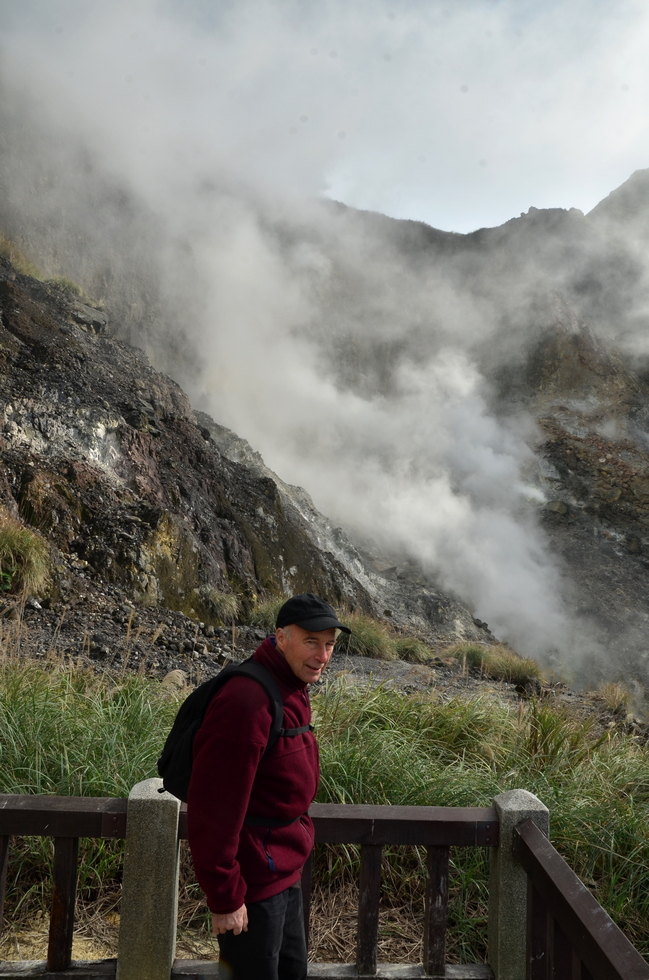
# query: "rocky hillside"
147,502
106,456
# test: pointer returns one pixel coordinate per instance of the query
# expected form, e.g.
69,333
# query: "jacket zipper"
271,863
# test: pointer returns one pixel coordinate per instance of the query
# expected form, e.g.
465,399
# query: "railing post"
508,886
64,892
436,911
4,855
149,907
369,894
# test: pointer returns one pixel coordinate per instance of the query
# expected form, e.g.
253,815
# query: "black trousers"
274,948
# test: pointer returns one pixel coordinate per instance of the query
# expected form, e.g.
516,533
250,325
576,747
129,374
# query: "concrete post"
508,885
149,907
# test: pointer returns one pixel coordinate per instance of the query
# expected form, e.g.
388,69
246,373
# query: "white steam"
422,468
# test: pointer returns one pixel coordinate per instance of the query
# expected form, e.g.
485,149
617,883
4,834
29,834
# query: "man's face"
306,653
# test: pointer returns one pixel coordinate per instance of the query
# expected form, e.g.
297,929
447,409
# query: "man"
248,826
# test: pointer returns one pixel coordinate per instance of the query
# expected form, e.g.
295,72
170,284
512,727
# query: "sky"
461,114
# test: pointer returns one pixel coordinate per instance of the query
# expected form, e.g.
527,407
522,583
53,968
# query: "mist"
180,160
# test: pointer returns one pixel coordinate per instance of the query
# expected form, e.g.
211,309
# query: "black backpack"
175,763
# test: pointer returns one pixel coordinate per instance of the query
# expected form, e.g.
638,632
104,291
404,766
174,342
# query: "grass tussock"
221,608
615,696
264,612
369,637
24,557
77,733
499,662
412,650
68,287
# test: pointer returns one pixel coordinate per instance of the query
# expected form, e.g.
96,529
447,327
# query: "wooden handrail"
62,816
66,819
433,826
436,826
577,916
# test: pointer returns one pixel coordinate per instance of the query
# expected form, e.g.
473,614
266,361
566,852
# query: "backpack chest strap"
290,732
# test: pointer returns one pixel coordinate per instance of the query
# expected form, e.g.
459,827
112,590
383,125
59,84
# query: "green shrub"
19,261
499,662
369,637
24,557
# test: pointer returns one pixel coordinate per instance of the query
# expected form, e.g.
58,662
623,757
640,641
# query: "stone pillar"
149,907
508,885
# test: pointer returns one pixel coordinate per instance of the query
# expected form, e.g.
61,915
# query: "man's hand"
237,921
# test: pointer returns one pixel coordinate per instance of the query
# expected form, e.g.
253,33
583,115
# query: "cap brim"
320,623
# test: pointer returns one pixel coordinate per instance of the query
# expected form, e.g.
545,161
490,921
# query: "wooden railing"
436,828
66,819
570,936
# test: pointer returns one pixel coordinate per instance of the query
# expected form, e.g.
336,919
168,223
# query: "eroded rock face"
106,457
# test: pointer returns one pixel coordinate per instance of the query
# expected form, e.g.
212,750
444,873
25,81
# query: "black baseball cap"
310,612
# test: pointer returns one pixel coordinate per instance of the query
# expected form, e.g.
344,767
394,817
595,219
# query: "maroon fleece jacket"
231,778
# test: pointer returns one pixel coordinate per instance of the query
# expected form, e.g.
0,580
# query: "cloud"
458,114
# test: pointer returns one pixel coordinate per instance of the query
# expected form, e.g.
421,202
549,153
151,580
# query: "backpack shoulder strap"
250,668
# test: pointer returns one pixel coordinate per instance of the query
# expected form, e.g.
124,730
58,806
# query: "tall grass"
66,732
264,613
385,747
9,250
222,607
72,733
69,732
413,650
67,286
